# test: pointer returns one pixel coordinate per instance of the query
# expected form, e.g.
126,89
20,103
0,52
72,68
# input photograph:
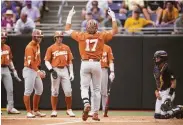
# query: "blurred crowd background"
23,16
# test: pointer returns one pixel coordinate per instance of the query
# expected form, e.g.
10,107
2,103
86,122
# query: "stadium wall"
133,87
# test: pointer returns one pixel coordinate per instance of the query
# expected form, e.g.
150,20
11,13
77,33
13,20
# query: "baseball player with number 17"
91,44
58,57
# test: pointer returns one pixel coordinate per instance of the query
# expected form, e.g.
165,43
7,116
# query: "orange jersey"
32,58
59,56
107,56
6,55
91,45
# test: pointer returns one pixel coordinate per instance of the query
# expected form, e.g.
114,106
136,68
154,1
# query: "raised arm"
68,22
114,23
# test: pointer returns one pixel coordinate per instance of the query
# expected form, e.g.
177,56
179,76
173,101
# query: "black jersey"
163,77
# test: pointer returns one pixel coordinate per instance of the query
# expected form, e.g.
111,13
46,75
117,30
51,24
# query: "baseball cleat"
86,110
90,114
105,114
38,113
30,115
54,113
95,117
70,113
13,111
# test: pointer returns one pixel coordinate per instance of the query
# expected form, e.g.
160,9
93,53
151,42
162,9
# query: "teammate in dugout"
6,64
91,44
106,63
57,58
165,92
33,75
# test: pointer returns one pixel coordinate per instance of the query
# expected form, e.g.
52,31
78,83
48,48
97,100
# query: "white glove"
71,77
112,76
16,76
71,12
69,17
112,14
41,73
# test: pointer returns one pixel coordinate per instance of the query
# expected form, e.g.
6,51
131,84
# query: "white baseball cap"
9,12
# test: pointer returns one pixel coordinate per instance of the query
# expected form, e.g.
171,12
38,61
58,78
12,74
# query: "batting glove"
112,14
112,76
16,76
71,76
54,74
41,73
72,12
69,17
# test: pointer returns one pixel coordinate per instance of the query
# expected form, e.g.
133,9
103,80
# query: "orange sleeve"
70,56
107,36
10,54
30,57
110,55
48,55
75,35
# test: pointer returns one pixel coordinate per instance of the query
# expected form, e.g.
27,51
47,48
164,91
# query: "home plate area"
112,120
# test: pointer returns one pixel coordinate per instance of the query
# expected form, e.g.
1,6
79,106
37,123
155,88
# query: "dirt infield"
65,120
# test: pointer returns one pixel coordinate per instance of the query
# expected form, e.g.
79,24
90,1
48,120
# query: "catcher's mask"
3,37
92,26
160,56
58,35
37,35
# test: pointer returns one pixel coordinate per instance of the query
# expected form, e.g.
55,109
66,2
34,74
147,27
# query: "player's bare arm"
173,83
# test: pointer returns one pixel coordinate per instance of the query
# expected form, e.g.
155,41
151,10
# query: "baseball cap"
9,12
137,10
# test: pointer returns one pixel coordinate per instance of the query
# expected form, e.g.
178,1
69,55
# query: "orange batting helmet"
92,26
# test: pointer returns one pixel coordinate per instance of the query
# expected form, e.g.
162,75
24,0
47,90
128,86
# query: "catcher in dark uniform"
165,92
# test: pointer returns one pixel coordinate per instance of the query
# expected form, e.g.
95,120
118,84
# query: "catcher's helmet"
92,26
37,34
162,55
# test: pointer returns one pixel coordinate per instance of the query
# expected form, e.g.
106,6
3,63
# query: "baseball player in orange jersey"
106,62
91,44
6,63
32,75
58,57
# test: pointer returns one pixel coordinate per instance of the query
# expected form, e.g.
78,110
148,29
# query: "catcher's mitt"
167,105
